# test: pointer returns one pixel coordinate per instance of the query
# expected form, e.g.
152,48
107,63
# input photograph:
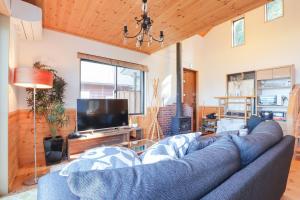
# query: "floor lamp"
29,77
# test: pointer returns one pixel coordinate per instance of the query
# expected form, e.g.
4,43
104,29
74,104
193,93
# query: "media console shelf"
97,139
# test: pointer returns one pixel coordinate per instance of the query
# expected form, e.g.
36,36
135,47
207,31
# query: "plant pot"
53,149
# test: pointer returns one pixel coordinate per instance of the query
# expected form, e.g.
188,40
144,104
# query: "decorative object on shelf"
241,84
266,115
284,100
209,125
155,129
211,116
34,78
134,121
50,105
267,100
279,116
145,31
237,84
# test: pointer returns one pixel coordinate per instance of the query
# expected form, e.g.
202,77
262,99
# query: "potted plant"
50,105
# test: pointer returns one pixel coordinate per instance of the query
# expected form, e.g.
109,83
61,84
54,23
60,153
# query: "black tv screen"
93,114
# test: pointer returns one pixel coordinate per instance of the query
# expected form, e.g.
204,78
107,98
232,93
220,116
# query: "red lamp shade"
29,77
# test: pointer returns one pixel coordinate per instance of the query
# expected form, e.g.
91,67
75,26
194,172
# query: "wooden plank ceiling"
4,9
103,20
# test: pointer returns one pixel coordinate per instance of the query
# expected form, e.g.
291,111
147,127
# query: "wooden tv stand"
97,139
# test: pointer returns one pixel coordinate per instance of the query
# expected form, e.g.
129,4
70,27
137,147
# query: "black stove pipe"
179,80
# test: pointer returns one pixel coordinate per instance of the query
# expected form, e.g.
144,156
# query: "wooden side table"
137,133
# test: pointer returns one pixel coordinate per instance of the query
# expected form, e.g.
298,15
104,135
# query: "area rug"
27,195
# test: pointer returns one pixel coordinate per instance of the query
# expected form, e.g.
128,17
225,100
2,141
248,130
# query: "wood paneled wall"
13,164
25,136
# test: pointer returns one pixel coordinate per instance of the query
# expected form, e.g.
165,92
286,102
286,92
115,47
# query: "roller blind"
113,62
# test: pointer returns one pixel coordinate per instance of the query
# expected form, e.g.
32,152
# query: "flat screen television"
95,114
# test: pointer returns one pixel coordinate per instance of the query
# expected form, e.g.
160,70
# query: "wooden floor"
293,187
24,174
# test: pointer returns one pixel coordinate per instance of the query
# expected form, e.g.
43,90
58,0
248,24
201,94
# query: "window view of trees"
274,10
238,31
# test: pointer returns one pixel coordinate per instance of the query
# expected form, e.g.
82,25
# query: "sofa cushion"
253,122
265,135
102,158
268,127
188,178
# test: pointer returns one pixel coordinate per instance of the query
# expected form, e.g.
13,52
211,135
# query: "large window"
103,81
274,10
238,32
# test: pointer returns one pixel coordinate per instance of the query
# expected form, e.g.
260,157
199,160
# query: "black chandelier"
145,34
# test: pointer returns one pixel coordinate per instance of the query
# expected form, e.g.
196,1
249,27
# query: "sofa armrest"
265,178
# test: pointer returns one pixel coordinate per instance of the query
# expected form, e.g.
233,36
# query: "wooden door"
190,93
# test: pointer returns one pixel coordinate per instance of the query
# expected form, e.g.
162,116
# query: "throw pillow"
158,152
253,122
264,136
230,125
181,143
224,133
170,148
102,158
201,143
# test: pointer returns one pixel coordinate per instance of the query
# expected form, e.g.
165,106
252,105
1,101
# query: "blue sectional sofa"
216,172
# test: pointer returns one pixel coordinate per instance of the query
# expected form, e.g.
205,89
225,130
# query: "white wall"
60,51
268,44
4,62
13,62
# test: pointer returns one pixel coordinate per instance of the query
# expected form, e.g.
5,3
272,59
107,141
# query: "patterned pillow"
102,158
158,152
201,143
182,142
170,148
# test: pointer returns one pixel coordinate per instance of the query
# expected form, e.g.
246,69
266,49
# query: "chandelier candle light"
145,33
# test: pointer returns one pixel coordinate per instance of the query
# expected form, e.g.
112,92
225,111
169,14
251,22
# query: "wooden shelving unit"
207,125
236,107
275,84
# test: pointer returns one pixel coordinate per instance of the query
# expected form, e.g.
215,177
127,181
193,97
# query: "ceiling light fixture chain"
144,34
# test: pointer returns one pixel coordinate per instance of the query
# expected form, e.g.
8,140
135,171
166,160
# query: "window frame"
266,12
233,33
116,82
